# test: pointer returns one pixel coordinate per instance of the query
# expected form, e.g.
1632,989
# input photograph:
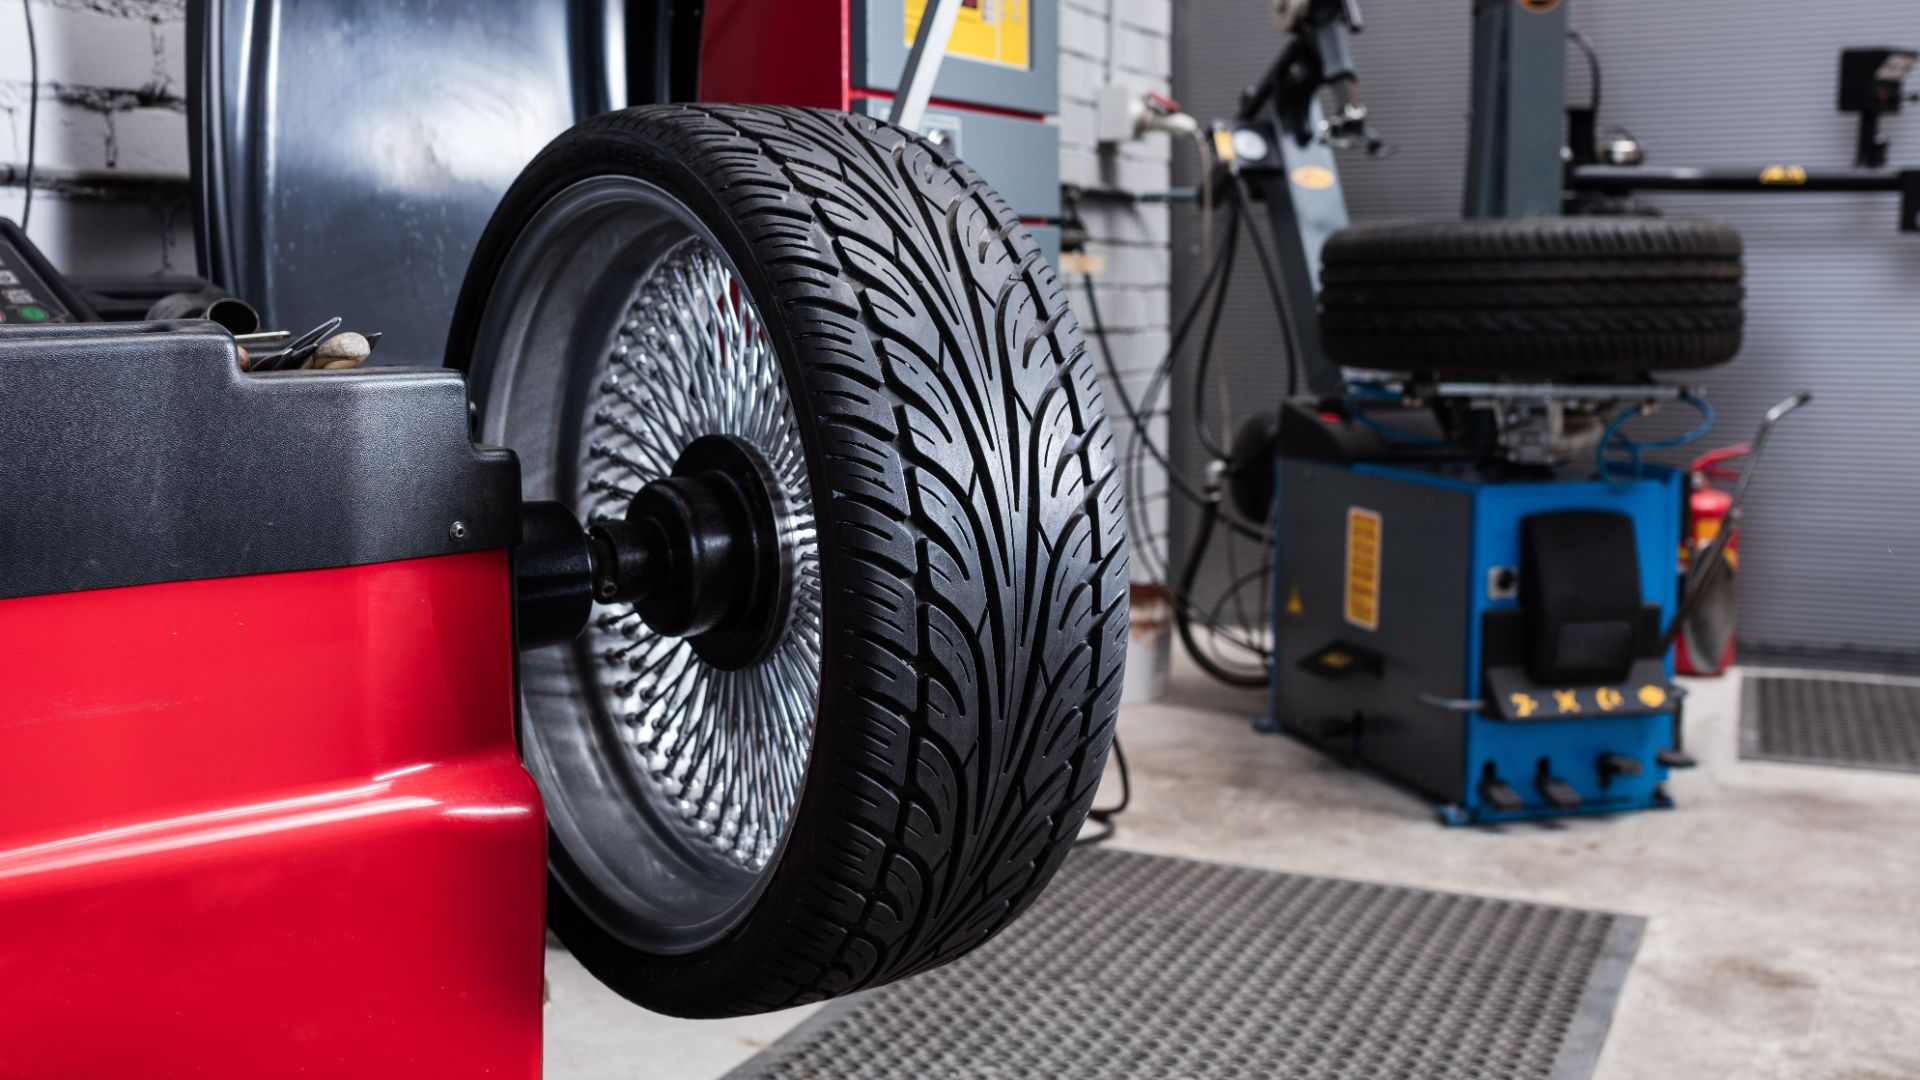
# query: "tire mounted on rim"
866,752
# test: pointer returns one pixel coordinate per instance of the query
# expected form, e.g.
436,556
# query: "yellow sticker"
1312,176
1783,174
1567,701
1223,146
1524,705
1294,606
991,31
1363,568
1652,696
1608,698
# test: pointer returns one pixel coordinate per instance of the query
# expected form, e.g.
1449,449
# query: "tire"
1550,297
967,536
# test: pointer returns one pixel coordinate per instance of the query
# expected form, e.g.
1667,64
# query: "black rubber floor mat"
1861,722
1137,967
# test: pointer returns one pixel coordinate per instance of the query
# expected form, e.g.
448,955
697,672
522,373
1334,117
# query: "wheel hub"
699,556
707,650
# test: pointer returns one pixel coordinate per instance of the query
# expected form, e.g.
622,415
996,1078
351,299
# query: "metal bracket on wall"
923,63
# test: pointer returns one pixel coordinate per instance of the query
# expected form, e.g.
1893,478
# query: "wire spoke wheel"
726,745
820,373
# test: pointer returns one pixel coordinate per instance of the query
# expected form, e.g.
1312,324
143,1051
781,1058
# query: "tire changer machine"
1476,581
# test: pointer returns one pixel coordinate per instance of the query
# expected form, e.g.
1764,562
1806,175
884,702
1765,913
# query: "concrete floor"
1783,900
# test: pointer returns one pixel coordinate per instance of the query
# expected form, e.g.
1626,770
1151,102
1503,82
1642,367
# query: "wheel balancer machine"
694,609
1475,574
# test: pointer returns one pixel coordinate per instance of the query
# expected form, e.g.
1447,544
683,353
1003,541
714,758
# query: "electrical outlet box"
1116,114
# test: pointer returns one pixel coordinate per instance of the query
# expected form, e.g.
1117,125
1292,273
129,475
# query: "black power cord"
1136,412
1187,612
1183,620
1593,69
1231,244
33,111
1103,816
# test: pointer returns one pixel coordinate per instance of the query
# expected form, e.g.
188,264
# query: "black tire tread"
1540,296
1639,239
972,546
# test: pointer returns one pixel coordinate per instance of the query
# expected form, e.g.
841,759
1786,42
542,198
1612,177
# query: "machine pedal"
1613,766
1675,759
1499,795
1558,793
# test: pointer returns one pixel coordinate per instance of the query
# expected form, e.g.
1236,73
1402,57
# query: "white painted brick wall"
112,100
1133,239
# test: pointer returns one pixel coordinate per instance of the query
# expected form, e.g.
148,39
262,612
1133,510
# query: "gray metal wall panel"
1833,549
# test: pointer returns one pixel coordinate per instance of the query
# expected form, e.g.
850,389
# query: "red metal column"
269,826
795,52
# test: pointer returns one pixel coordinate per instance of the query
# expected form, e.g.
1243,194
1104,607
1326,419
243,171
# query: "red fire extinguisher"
1701,632
1707,508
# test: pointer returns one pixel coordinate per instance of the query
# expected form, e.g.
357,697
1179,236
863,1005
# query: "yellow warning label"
1315,177
1294,606
1363,568
991,31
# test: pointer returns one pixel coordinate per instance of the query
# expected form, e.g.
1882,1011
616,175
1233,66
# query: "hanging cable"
1140,446
1103,815
1593,68
33,112
1183,621
1137,412
1153,563
1229,248
1187,613
1278,295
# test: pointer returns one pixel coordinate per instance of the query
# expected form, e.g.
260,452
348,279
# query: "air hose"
1209,516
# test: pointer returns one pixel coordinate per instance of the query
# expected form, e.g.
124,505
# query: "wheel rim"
727,746
618,335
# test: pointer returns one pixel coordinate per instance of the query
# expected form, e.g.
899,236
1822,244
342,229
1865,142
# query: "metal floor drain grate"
1862,722
1137,966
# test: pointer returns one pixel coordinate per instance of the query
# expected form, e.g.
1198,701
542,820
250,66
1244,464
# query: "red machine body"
1707,508
261,808
271,825
777,54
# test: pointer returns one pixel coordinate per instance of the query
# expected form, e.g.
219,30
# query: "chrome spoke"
727,749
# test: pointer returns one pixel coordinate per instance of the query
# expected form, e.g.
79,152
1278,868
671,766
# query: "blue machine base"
1435,649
